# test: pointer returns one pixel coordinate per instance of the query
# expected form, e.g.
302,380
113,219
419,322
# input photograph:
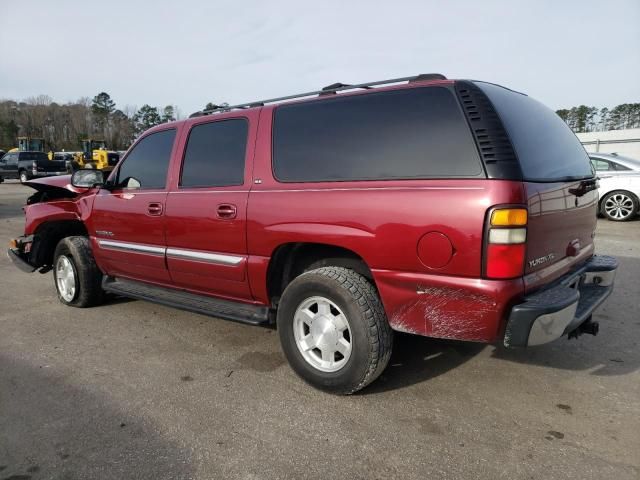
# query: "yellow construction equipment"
94,154
29,144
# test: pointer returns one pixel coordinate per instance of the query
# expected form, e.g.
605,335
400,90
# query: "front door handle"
154,209
226,211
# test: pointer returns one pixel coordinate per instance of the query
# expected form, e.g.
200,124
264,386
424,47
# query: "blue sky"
190,52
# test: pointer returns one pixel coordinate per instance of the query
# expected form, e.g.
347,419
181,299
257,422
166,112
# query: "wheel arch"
48,234
289,260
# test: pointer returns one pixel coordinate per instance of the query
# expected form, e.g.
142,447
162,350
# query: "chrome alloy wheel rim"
65,278
619,206
322,334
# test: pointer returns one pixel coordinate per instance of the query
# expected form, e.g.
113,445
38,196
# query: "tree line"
593,119
64,126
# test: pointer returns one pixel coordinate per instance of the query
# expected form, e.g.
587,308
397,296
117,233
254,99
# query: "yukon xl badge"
540,260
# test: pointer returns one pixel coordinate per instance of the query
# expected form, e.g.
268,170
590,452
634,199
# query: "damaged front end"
19,251
55,210
52,188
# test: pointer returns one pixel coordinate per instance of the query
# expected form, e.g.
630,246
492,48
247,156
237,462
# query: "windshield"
546,148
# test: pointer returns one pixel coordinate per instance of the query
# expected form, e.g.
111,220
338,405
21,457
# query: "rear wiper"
585,186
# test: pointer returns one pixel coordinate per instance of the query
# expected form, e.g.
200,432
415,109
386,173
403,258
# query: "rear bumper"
562,307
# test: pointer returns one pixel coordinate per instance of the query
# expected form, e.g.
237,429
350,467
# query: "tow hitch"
589,327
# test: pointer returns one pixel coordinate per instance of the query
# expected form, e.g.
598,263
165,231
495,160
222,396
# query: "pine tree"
168,114
146,118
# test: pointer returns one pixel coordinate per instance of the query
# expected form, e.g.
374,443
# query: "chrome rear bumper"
562,307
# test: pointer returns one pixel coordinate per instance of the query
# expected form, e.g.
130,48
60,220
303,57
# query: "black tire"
88,277
371,336
24,176
628,201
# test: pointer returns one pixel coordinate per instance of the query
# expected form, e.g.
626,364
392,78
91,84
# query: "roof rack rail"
328,90
331,89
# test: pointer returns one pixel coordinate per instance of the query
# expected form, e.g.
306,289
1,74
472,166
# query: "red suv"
446,208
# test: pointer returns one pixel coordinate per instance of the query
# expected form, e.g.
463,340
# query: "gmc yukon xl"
446,208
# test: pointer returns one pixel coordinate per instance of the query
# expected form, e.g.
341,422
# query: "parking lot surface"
136,390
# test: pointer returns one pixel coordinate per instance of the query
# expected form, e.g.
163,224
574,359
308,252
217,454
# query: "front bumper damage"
564,308
18,253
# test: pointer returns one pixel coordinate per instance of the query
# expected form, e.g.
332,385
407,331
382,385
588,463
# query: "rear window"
546,147
400,134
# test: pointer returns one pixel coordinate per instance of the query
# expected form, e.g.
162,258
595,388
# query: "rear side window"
147,163
400,134
215,153
546,147
619,167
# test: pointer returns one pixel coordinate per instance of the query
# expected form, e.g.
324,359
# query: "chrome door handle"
226,211
154,209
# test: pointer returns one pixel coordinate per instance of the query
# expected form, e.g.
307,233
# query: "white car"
619,185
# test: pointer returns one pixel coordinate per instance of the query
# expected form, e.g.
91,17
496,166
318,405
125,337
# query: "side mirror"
87,178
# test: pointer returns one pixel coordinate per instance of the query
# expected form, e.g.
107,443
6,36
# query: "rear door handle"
154,209
226,211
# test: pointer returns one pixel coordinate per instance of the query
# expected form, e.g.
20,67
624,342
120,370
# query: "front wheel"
333,329
75,273
619,206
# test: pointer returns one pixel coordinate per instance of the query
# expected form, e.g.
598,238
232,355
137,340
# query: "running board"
214,307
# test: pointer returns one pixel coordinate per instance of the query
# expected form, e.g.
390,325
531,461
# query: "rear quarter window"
546,148
400,134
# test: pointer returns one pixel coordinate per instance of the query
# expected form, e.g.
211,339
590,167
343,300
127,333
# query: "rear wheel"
619,206
23,176
75,273
333,329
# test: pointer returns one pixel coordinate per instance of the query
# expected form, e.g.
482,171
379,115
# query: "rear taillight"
34,167
506,238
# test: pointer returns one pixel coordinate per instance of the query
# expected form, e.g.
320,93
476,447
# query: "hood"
49,184
53,188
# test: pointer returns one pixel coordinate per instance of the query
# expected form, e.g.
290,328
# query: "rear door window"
619,167
546,147
215,154
399,134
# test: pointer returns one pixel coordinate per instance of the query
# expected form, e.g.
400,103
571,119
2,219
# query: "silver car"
619,185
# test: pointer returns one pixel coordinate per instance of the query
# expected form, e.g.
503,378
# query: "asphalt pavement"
136,390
